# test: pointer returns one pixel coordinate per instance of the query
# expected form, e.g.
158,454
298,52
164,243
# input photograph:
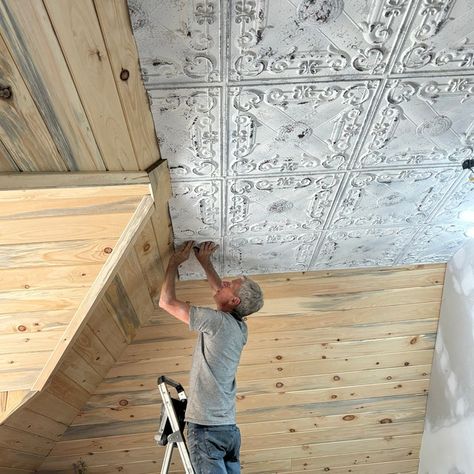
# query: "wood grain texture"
23,131
342,377
161,184
32,42
116,29
79,35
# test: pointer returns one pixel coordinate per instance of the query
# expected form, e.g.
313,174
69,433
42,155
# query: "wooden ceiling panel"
21,125
31,40
78,31
329,385
40,296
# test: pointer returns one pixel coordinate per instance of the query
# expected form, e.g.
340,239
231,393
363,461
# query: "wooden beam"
22,181
96,292
161,186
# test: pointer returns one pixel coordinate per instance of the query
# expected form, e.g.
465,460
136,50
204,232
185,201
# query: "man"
213,436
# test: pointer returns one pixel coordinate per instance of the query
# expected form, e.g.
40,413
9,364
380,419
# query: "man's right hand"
203,254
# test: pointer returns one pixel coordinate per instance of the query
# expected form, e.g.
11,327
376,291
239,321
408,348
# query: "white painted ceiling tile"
178,40
191,269
272,253
286,128
434,244
421,121
392,197
284,204
460,199
195,210
187,123
362,247
285,123
440,38
308,38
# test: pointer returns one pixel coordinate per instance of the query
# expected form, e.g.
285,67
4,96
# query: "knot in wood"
108,250
278,357
336,378
21,328
124,74
385,421
348,417
146,247
5,92
123,403
279,384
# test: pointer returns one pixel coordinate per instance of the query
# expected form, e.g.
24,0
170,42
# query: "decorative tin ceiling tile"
425,121
178,40
281,120
362,247
460,199
187,123
434,244
195,210
392,197
285,204
270,253
440,37
286,128
277,38
191,269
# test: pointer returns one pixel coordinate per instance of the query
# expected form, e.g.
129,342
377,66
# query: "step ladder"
170,432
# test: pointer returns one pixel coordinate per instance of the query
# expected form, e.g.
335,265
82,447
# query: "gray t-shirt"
215,360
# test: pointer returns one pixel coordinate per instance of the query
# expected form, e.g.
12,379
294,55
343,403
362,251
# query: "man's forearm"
212,277
168,289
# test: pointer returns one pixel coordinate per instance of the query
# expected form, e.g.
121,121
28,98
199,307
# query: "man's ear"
235,301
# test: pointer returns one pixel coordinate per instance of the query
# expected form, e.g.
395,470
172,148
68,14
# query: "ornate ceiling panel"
313,134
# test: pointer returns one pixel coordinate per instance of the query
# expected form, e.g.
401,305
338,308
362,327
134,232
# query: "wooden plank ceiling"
336,371
334,378
54,243
72,102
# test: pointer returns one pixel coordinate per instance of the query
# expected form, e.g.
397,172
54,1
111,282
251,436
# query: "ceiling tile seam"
467,72
456,186
371,169
400,35
372,110
405,29
418,230
317,249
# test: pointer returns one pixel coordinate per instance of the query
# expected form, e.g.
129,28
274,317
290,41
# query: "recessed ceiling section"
312,134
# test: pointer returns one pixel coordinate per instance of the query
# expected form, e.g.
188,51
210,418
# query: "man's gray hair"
251,298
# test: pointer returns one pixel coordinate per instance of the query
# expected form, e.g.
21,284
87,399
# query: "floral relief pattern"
421,122
312,134
440,37
271,39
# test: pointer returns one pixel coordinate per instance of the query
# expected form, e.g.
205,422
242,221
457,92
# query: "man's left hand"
182,254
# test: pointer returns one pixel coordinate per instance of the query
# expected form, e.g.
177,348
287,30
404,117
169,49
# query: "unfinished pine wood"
22,128
79,35
6,161
325,385
95,293
20,186
132,277
31,40
161,184
40,293
121,48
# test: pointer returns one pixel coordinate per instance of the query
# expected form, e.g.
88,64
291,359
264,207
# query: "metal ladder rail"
176,438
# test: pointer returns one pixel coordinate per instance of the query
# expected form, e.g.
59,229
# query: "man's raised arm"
168,301
203,254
